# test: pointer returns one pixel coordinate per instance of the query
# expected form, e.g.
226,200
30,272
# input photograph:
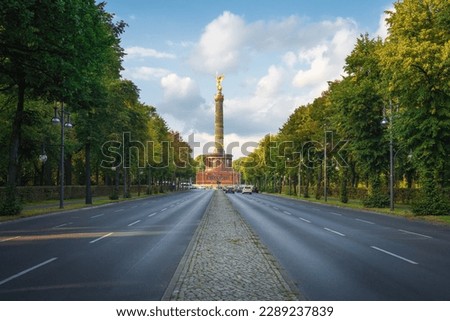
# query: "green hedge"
402,195
42,193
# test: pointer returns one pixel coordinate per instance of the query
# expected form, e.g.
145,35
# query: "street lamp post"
385,122
60,119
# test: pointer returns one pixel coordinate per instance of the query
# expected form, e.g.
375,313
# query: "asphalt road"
123,251
339,254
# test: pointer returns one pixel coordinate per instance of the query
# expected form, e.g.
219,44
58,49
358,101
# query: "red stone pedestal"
218,171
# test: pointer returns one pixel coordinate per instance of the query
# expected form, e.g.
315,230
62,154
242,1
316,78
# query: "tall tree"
359,103
416,65
55,50
47,49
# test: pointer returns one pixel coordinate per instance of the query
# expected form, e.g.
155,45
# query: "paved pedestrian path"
227,262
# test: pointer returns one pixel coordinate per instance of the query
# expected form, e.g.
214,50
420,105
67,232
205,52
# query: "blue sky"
275,55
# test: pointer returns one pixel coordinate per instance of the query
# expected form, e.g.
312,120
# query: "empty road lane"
123,251
338,254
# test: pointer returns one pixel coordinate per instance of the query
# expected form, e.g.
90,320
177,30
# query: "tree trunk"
87,147
125,182
68,170
13,165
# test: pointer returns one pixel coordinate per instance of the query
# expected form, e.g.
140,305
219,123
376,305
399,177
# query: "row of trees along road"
395,91
69,52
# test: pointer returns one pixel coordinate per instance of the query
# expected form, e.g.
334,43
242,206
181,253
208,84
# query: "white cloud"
270,84
140,52
182,44
229,44
220,45
309,55
342,44
316,74
382,30
290,59
176,87
299,57
181,97
325,61
146,73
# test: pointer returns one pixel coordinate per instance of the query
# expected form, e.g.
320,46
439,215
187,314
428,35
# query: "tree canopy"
69,52
394,91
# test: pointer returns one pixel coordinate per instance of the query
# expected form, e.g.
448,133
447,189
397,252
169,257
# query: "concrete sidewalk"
226,262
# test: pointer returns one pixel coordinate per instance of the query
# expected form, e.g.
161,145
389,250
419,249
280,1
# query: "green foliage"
376,200
431,200
10,202
416,63
431,205
343,193
114,195
70,51
358,104
376,197
410,69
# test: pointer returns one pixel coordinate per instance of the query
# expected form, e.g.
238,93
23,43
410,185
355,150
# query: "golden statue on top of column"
219,79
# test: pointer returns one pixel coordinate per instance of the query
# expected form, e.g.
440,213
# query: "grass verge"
52,206
402,210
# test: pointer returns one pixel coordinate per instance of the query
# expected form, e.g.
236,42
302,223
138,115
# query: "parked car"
247,189
229,189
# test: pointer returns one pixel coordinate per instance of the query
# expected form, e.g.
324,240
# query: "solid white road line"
10,239
364,221
27,270
333,231
394,255
100,238
413,233
304,220
134,223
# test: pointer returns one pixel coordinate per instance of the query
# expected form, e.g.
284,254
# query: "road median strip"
228,262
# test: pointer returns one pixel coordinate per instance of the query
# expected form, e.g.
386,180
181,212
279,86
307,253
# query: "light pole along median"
60,119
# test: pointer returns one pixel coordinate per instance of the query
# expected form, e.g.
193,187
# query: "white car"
247,189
